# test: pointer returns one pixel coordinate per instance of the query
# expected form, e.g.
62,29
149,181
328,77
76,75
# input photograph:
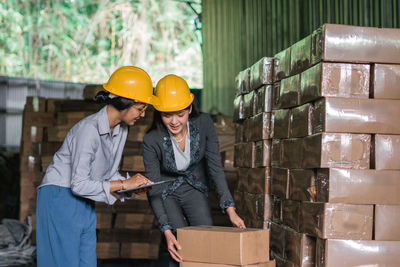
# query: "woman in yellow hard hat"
183,145
85,169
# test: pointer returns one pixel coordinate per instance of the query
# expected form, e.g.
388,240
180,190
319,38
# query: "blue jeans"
65,228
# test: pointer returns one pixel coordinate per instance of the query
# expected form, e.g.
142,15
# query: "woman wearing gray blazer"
182,145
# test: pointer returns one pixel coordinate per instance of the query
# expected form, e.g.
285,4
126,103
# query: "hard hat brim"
183,105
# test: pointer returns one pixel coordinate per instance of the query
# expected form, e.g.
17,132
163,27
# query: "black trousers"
187,206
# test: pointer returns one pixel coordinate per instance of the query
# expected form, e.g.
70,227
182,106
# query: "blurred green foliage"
86,40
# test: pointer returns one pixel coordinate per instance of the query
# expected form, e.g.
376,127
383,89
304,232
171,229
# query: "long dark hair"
118,102
157,121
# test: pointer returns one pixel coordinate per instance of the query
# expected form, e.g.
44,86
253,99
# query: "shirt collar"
104,124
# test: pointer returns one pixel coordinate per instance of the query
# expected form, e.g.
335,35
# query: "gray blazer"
205,165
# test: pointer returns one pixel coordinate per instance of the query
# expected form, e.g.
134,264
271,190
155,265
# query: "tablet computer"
132,190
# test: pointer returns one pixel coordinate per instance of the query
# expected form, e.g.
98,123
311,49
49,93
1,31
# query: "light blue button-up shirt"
89,158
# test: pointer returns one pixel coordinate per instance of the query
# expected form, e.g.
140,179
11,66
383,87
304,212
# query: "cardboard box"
248,102
276,210
224,245
248,129
291,152
263,101
243,179
387,223
276,155
254,206
259,180
282,64
386,152
349,253
386,81
281,122
339,115
133,163
300,121
337,150
248,155
202,264
280,262
335,80
261,72
300,57
345,43
289,92
262,153
260,127
278,239
238,160
238,110
242,82
358,186
337,220
299,248
280,182
134,221
139,250
107,250
302,185
239,133
276,90
291,213
267,209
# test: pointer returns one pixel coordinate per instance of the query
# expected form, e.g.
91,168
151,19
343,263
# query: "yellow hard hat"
131,82
173,94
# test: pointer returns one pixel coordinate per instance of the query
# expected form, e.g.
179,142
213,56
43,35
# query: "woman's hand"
173,246
235,219
135,181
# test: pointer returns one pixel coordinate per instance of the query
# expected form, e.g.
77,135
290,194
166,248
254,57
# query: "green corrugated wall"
236,33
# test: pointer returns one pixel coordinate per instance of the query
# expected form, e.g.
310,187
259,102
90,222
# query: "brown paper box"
254,206
263,101
238,155
259,180
242,82
337,220
281,121
300,121
339,115
239,133
238,108
243,179
358,186
345,43
261,72
249,150
224,245
282,64
276,210
262,153
280,182
302,185
133,163
106,250
386,81
104,220
387,152
267,209
276,153
278,239
291,152
202,264
349,253
299,248
134,221
289,94
248,131
139,250
300,58
387,223
335,80
291,214
280,262
276,91
248,105
260,127
337,150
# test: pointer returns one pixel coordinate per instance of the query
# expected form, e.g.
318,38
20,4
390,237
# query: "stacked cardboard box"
334,169
334,149
253,142
211,246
